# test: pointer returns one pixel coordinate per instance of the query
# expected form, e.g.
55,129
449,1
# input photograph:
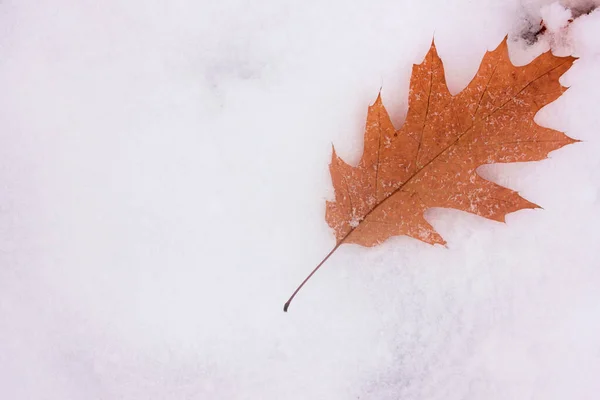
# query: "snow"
163,174
555,16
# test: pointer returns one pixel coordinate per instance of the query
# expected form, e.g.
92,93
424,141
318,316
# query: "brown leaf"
431,160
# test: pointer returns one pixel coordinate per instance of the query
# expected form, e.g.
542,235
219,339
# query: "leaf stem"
287,303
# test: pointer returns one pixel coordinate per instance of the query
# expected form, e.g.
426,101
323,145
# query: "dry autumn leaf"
432,160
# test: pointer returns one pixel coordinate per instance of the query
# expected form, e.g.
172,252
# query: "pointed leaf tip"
378,100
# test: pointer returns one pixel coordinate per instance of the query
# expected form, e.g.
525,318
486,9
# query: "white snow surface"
163,177
555,16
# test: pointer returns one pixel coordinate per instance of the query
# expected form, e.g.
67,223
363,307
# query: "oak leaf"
432,160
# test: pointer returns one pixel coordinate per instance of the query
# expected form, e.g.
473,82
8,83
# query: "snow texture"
163,177
555,16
